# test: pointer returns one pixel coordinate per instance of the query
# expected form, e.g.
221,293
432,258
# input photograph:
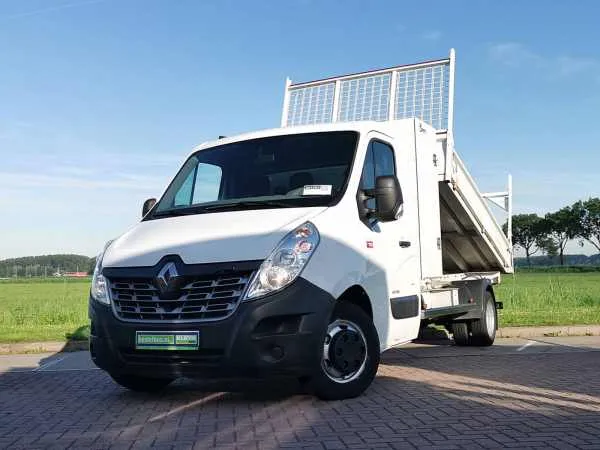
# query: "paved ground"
542,393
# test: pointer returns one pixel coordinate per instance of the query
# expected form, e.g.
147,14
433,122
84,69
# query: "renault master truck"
307,250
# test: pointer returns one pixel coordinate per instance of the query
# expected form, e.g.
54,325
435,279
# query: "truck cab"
302,251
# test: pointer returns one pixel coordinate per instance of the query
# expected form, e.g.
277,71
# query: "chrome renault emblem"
168,277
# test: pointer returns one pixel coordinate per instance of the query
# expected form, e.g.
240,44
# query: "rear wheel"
141,384
460,333
350,355
483,331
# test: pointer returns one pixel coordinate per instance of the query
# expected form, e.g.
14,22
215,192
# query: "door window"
378,161
384,159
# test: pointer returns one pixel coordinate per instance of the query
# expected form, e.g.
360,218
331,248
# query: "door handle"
404,244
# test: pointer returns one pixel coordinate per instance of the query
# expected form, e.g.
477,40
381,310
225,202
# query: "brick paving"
536,401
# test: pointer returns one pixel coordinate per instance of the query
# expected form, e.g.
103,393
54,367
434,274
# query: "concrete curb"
506,332
565,330
43,347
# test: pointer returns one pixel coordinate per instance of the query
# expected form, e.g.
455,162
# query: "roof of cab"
361,127
345,126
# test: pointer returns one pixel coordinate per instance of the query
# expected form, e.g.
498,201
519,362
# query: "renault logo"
168,278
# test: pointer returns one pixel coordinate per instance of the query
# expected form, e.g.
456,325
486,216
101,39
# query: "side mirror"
148,205
388,198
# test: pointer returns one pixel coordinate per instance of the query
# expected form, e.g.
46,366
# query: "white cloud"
30,180
570,65
432,35
519,56
513,54
49,9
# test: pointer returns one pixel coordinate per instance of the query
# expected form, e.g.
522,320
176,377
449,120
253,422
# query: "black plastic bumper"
280,334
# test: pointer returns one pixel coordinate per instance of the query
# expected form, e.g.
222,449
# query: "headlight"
286,262
99,289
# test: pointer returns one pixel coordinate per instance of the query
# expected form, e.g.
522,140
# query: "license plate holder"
167,340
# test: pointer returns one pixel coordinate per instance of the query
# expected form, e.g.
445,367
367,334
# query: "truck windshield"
295,170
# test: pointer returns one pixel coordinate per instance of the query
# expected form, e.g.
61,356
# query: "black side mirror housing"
388,199
148,205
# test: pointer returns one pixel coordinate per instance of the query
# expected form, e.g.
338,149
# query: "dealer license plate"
176,340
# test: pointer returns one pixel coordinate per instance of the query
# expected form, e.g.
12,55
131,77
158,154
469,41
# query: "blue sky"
100,101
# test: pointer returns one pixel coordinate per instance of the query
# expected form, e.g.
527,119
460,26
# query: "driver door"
396,243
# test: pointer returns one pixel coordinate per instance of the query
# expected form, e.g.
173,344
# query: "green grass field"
55,309
43,310
550,298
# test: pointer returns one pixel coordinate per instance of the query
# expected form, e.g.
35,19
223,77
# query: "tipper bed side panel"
463,248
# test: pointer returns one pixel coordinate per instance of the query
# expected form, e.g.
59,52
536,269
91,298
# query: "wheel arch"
357,295
473,291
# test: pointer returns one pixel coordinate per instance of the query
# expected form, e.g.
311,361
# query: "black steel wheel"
350,355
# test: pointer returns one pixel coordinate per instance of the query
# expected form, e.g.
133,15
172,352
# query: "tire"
141,384
483,331
460,333
350,355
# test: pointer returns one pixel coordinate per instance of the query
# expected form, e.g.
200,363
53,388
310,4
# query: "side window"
184,194
378,161
367,180
384,159
202,185
368,175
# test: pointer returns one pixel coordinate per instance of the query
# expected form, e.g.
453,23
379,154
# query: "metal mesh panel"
365,98
420,90
311,105
423,93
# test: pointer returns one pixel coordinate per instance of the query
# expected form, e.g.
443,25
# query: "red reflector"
369,244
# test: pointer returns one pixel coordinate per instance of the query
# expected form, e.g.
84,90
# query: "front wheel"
141,384
349,356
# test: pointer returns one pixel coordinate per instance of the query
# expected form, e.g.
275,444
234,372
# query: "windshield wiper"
248,204
242,204
175,212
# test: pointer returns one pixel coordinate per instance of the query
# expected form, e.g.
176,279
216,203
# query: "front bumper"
280,334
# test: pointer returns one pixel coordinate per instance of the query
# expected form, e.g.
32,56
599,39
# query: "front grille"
200,299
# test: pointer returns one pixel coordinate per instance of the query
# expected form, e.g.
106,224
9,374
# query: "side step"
450,311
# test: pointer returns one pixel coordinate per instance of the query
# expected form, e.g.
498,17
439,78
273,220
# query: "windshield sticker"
317,189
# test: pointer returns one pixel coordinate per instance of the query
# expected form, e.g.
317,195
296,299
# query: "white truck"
309,249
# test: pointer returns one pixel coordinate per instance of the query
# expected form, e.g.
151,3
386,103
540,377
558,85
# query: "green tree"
590,221
549,247
92,266
528,234
562,226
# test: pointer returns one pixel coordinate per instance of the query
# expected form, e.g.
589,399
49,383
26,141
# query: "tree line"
45,265
551,233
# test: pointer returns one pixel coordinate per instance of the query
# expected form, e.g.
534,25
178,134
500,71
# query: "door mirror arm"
364,212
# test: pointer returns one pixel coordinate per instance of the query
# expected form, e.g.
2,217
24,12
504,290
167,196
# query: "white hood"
206,238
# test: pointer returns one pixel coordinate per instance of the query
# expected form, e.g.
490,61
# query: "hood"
206,238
